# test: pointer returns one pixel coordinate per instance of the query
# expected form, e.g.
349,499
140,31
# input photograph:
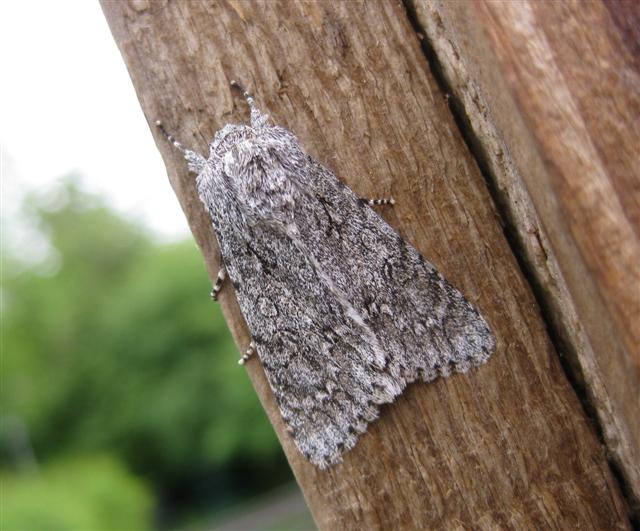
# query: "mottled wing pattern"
321,363
343,312
425,326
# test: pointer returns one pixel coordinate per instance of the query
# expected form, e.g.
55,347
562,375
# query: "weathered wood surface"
551,95
507,445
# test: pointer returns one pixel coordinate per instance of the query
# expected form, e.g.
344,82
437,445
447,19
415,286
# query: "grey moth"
342,311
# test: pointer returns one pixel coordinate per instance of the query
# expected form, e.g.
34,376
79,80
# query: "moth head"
227,137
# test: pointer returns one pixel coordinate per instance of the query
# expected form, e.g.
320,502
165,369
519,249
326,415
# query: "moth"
342,311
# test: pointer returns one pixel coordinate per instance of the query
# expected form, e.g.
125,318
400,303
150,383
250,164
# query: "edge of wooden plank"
443,29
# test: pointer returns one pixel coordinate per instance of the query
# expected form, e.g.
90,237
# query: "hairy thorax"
251,163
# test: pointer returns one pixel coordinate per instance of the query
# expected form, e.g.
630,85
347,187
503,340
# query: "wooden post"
550,93
507,445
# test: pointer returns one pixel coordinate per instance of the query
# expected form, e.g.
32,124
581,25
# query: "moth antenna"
245,94
172,140
258,119
196,162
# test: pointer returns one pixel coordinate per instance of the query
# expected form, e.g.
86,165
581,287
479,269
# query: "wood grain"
551,95
507,445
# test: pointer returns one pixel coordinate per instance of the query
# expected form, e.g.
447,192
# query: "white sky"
67,103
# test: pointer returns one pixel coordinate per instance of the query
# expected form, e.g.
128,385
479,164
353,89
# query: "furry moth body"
342,311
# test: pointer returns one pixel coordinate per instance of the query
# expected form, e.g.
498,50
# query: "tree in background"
118,350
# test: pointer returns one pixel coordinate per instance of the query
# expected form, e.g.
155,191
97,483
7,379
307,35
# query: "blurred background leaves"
123,404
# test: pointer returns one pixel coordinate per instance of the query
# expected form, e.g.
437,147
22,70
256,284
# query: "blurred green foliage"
90,493
117,349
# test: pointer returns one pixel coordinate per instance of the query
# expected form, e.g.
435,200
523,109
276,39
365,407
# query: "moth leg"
215,290
250,352
375,202
195,161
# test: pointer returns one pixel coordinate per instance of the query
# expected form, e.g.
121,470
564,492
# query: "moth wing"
324,366
425,326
